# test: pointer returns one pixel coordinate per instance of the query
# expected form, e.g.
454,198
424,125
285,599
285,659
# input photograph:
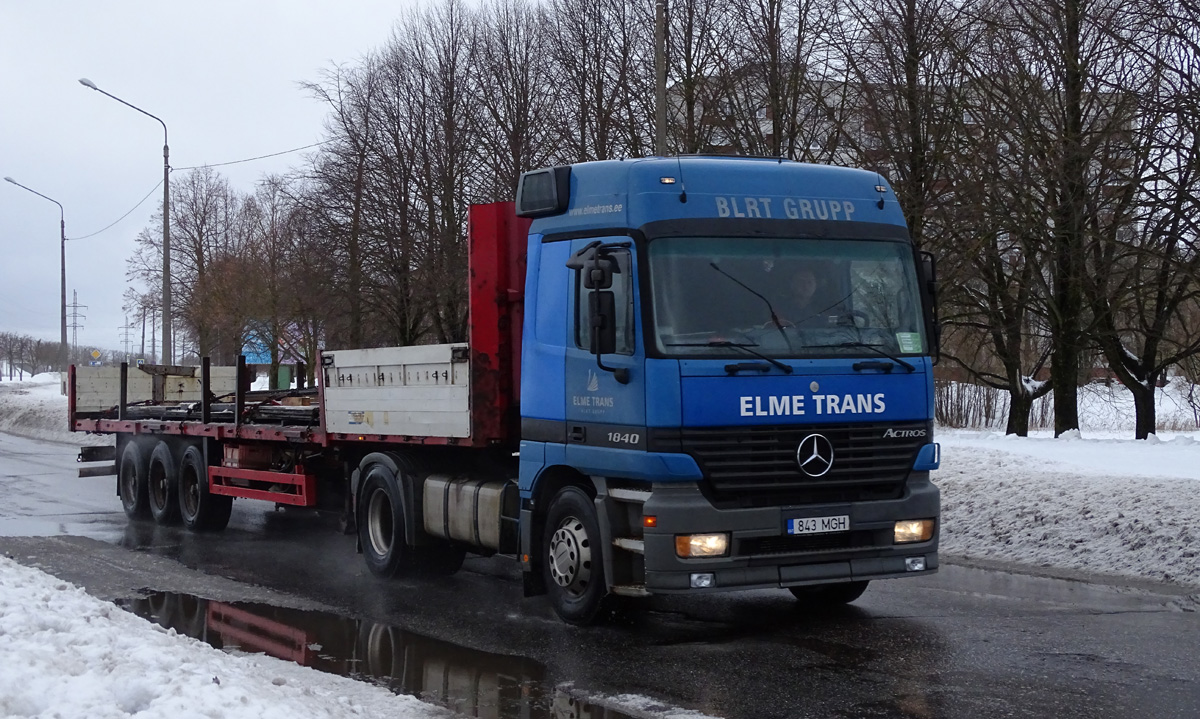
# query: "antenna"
682,184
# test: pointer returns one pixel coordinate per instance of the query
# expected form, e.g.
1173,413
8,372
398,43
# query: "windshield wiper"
873,347
761,296
745,347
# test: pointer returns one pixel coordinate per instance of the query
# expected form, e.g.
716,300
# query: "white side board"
422,390
99,388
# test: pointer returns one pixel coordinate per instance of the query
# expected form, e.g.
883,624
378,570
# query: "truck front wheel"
131,483
573,566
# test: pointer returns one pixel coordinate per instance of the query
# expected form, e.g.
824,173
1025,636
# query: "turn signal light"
650,521
913,530
701,545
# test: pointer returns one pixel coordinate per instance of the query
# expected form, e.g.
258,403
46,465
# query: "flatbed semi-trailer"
641,406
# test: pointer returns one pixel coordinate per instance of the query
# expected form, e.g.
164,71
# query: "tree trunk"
1143,404
1020,405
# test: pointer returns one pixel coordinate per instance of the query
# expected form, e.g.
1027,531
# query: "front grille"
756,466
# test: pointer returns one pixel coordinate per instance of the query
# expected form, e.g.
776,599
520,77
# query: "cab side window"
622,289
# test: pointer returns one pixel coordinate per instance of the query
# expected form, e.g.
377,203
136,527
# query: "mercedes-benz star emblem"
815,455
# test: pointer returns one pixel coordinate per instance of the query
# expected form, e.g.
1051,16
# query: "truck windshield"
784,297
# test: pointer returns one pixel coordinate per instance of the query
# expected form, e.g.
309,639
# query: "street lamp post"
166,232
62,229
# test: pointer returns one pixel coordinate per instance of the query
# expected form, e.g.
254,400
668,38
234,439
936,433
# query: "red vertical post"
497,279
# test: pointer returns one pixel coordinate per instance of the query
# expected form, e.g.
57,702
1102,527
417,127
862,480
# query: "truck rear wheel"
573,563
382,532
381,522
200,509
829,595
163,485
131,483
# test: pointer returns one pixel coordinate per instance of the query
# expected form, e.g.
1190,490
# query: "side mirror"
602,317
930,287
602,313
598,271
929,272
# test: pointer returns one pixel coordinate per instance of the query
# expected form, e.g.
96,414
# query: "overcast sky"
223,74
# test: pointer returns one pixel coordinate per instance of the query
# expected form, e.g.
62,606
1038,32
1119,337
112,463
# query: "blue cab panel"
596,419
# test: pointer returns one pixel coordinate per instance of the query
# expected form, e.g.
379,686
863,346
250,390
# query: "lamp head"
88,83
9,179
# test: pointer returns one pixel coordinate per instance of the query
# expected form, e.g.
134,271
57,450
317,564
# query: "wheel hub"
379,522
571,556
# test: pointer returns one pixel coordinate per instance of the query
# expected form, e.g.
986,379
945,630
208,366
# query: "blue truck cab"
726,382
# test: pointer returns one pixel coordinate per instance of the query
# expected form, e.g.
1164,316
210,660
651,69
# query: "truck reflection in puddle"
466,681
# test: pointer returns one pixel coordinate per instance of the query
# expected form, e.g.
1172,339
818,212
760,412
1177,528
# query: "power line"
252,159
196,167
127,214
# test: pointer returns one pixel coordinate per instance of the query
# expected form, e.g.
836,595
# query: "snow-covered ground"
68,654
1094,502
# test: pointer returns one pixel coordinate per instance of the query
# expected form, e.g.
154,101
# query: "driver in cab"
804,305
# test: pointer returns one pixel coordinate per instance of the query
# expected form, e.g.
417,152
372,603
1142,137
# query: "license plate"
819,525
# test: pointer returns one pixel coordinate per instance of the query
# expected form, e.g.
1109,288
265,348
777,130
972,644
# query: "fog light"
914,564
913,530
704,581
701,545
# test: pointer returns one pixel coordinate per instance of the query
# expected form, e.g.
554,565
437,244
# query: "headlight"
701,545
913,530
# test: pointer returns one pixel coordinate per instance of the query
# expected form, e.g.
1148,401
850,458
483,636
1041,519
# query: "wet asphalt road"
967,642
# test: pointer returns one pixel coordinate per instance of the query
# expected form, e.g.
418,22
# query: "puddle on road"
466,681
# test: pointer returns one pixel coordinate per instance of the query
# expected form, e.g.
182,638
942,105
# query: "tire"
829,595
131,483
162,483
381,522
199,509
573,563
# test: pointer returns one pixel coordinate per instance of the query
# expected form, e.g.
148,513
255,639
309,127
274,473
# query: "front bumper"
763,555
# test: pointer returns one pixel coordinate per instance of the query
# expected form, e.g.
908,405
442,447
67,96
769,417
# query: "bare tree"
1144,261
208,274
341,167
589,78
510,83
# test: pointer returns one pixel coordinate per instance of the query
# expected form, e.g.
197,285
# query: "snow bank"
67,654
37,408
1115,507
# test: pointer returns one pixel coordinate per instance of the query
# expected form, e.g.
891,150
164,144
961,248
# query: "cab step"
635,496
630,590
637,546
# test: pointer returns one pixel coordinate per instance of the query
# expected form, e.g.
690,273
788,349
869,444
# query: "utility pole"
166,212
660,72
75,317
153,340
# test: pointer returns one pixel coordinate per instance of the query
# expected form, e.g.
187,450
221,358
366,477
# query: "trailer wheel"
381,522
574,566
200,509
131,483
828,595
163,485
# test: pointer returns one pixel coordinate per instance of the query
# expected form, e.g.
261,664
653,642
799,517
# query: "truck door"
605,408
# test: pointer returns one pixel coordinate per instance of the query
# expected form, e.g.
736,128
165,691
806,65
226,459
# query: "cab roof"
628,194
